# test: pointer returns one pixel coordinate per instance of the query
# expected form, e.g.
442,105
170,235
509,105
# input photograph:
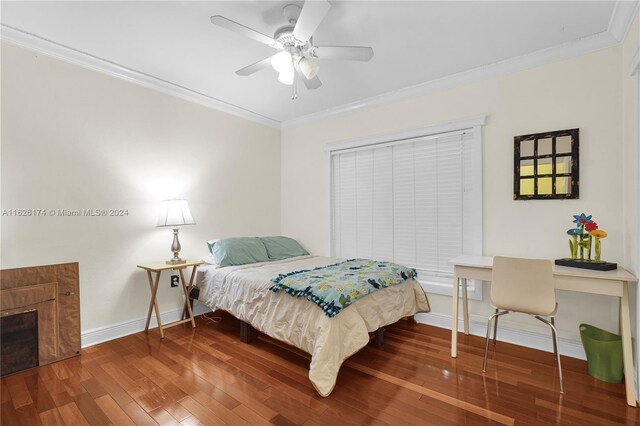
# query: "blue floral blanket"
334,287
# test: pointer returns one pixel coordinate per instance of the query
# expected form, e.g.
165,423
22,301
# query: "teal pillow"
239,251
279,248
210,244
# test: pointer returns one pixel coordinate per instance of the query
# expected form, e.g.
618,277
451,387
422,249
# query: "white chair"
526,286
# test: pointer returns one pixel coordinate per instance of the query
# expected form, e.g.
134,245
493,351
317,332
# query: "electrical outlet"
175,280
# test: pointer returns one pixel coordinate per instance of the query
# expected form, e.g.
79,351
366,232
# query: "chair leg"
555,344
486,345
495,330
554,333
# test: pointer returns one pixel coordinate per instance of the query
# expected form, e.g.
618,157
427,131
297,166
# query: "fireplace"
19,337
39,304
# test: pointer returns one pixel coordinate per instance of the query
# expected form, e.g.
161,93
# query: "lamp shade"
308,68
286,76
281,61
175,213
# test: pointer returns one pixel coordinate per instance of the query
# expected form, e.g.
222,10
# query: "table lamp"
175,213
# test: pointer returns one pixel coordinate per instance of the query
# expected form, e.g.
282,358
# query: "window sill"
474,288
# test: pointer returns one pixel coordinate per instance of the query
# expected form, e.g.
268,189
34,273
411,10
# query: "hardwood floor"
207,376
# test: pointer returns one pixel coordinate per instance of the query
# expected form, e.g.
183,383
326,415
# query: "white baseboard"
110,332
529,339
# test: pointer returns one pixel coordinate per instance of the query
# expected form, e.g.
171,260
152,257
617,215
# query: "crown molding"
622,17
553,54
59,51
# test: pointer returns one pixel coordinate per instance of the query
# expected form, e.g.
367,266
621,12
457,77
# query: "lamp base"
175,248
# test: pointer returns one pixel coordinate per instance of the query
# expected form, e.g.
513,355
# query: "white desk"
609,283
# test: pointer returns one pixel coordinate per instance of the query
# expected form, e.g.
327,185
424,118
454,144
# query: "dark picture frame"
546,165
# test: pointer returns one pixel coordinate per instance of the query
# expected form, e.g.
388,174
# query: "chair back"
523,285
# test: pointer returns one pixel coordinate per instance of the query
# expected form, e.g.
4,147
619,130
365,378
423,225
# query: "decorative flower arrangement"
582,237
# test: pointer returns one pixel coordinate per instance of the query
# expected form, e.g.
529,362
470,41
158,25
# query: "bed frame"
247,332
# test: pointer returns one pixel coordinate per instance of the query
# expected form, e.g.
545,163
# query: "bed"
244,291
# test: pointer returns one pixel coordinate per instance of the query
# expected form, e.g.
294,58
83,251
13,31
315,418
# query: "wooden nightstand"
153,285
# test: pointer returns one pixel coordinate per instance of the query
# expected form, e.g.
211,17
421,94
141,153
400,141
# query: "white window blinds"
415,202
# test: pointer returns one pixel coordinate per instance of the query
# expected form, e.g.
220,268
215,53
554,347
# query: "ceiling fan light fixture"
281,61
308,68
286,76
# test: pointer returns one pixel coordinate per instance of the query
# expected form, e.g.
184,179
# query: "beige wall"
584,92
73,138
630,153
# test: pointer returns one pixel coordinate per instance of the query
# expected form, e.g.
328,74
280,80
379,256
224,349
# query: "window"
546,165
415,201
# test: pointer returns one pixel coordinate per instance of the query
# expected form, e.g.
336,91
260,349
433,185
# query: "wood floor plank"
200,412
39,393
4,392
72,415
51,418
250,416
206,376
162,417
20,395
113,388
28,415
73,386
191,421
138,415
177,411
8,415
61,370
94,387
90,410
113,411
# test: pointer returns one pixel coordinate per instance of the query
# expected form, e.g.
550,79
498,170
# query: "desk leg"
186,294
465,306
154,303
627,351
454,317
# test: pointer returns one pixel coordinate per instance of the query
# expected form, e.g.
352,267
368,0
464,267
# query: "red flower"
590,226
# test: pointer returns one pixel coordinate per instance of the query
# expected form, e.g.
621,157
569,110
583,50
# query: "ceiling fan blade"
352,53
313,12
223,22
255,67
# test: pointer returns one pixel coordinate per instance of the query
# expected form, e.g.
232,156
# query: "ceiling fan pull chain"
294,90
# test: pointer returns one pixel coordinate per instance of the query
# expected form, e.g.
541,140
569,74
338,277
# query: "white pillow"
210,260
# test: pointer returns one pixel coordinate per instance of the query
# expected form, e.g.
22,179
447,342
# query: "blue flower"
581,219
574,231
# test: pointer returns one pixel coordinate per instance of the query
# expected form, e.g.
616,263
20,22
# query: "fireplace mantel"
53,291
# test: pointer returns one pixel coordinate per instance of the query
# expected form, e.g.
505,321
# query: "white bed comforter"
244,292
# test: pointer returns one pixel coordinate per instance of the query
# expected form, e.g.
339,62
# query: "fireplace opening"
19,337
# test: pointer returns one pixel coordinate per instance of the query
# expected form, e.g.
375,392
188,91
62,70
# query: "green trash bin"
604,353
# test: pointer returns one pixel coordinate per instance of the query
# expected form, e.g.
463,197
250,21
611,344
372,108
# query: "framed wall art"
546,165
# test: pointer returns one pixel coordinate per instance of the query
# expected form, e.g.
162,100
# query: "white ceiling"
414,42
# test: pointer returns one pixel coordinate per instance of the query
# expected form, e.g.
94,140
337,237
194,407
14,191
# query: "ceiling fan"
295,45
